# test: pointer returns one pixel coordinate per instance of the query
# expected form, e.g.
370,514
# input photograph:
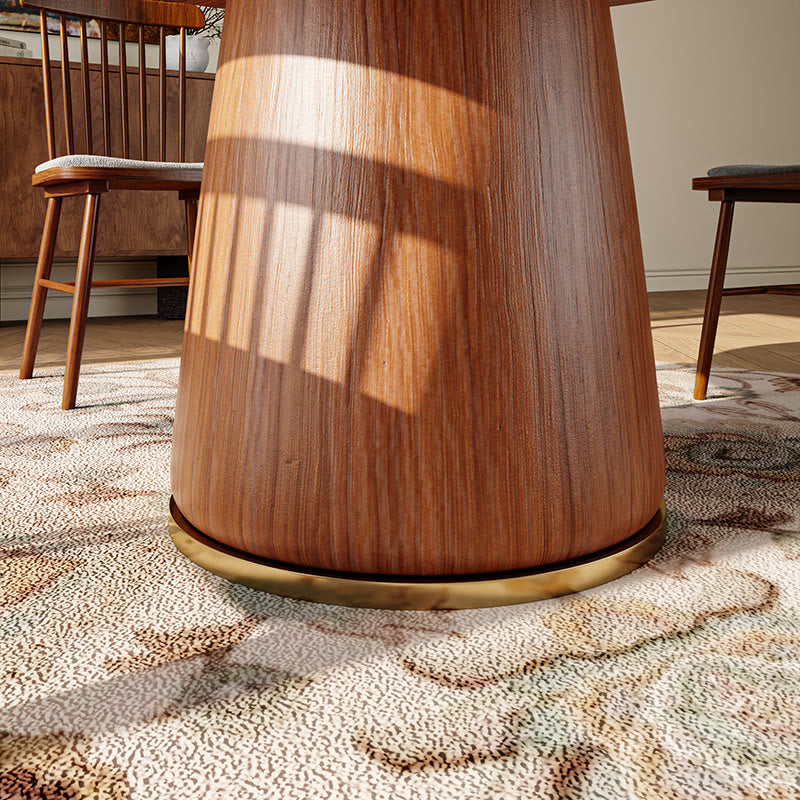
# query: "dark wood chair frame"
774,187
93,181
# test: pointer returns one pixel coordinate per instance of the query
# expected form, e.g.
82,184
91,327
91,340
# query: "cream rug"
127,672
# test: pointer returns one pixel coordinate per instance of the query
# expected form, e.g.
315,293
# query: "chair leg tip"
700,390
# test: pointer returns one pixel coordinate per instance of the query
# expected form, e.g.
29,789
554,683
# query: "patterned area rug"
128,672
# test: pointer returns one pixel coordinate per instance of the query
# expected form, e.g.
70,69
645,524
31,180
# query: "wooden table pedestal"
417,369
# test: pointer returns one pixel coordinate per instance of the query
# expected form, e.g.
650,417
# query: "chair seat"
105,173
107,162
752,169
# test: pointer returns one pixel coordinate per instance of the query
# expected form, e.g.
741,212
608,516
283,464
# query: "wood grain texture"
222,3
750,195
80,301
417,340
86,91
190,205
135,223
177,178
773,180
719,263
44,40
139,12
66,85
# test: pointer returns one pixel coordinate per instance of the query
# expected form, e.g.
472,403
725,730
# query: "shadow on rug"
128,672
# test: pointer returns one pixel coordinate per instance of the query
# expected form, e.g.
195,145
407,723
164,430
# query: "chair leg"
713,299
190,205
80,301
43,267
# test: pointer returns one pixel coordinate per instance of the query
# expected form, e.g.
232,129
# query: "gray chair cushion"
79,160
752,169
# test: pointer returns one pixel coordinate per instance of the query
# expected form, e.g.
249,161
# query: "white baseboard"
681,279
16,283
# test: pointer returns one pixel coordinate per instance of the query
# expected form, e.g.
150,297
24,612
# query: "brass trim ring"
348,589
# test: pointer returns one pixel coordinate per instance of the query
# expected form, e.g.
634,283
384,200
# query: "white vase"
196,52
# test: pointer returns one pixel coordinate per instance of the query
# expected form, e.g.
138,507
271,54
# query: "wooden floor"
755,331
108,339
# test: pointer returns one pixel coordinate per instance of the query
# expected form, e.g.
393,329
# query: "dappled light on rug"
128,672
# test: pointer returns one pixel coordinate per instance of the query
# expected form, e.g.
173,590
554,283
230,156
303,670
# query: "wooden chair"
728,185
82,173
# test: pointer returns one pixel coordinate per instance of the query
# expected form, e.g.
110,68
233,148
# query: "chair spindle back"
136,13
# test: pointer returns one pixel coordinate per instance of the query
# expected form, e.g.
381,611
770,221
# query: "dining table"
417,369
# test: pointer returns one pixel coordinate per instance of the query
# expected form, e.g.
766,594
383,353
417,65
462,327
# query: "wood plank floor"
108,339
755,331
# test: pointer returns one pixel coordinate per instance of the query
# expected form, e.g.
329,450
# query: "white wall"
710,82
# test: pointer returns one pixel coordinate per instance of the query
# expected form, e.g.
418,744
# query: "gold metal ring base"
374,591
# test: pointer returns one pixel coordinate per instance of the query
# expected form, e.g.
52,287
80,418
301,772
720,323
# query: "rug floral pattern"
128,672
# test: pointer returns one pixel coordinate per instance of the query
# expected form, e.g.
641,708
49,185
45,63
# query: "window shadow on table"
388,318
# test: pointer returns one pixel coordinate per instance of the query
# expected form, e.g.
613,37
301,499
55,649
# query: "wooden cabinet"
131,223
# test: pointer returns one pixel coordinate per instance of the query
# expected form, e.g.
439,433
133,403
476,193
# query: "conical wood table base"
417,342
